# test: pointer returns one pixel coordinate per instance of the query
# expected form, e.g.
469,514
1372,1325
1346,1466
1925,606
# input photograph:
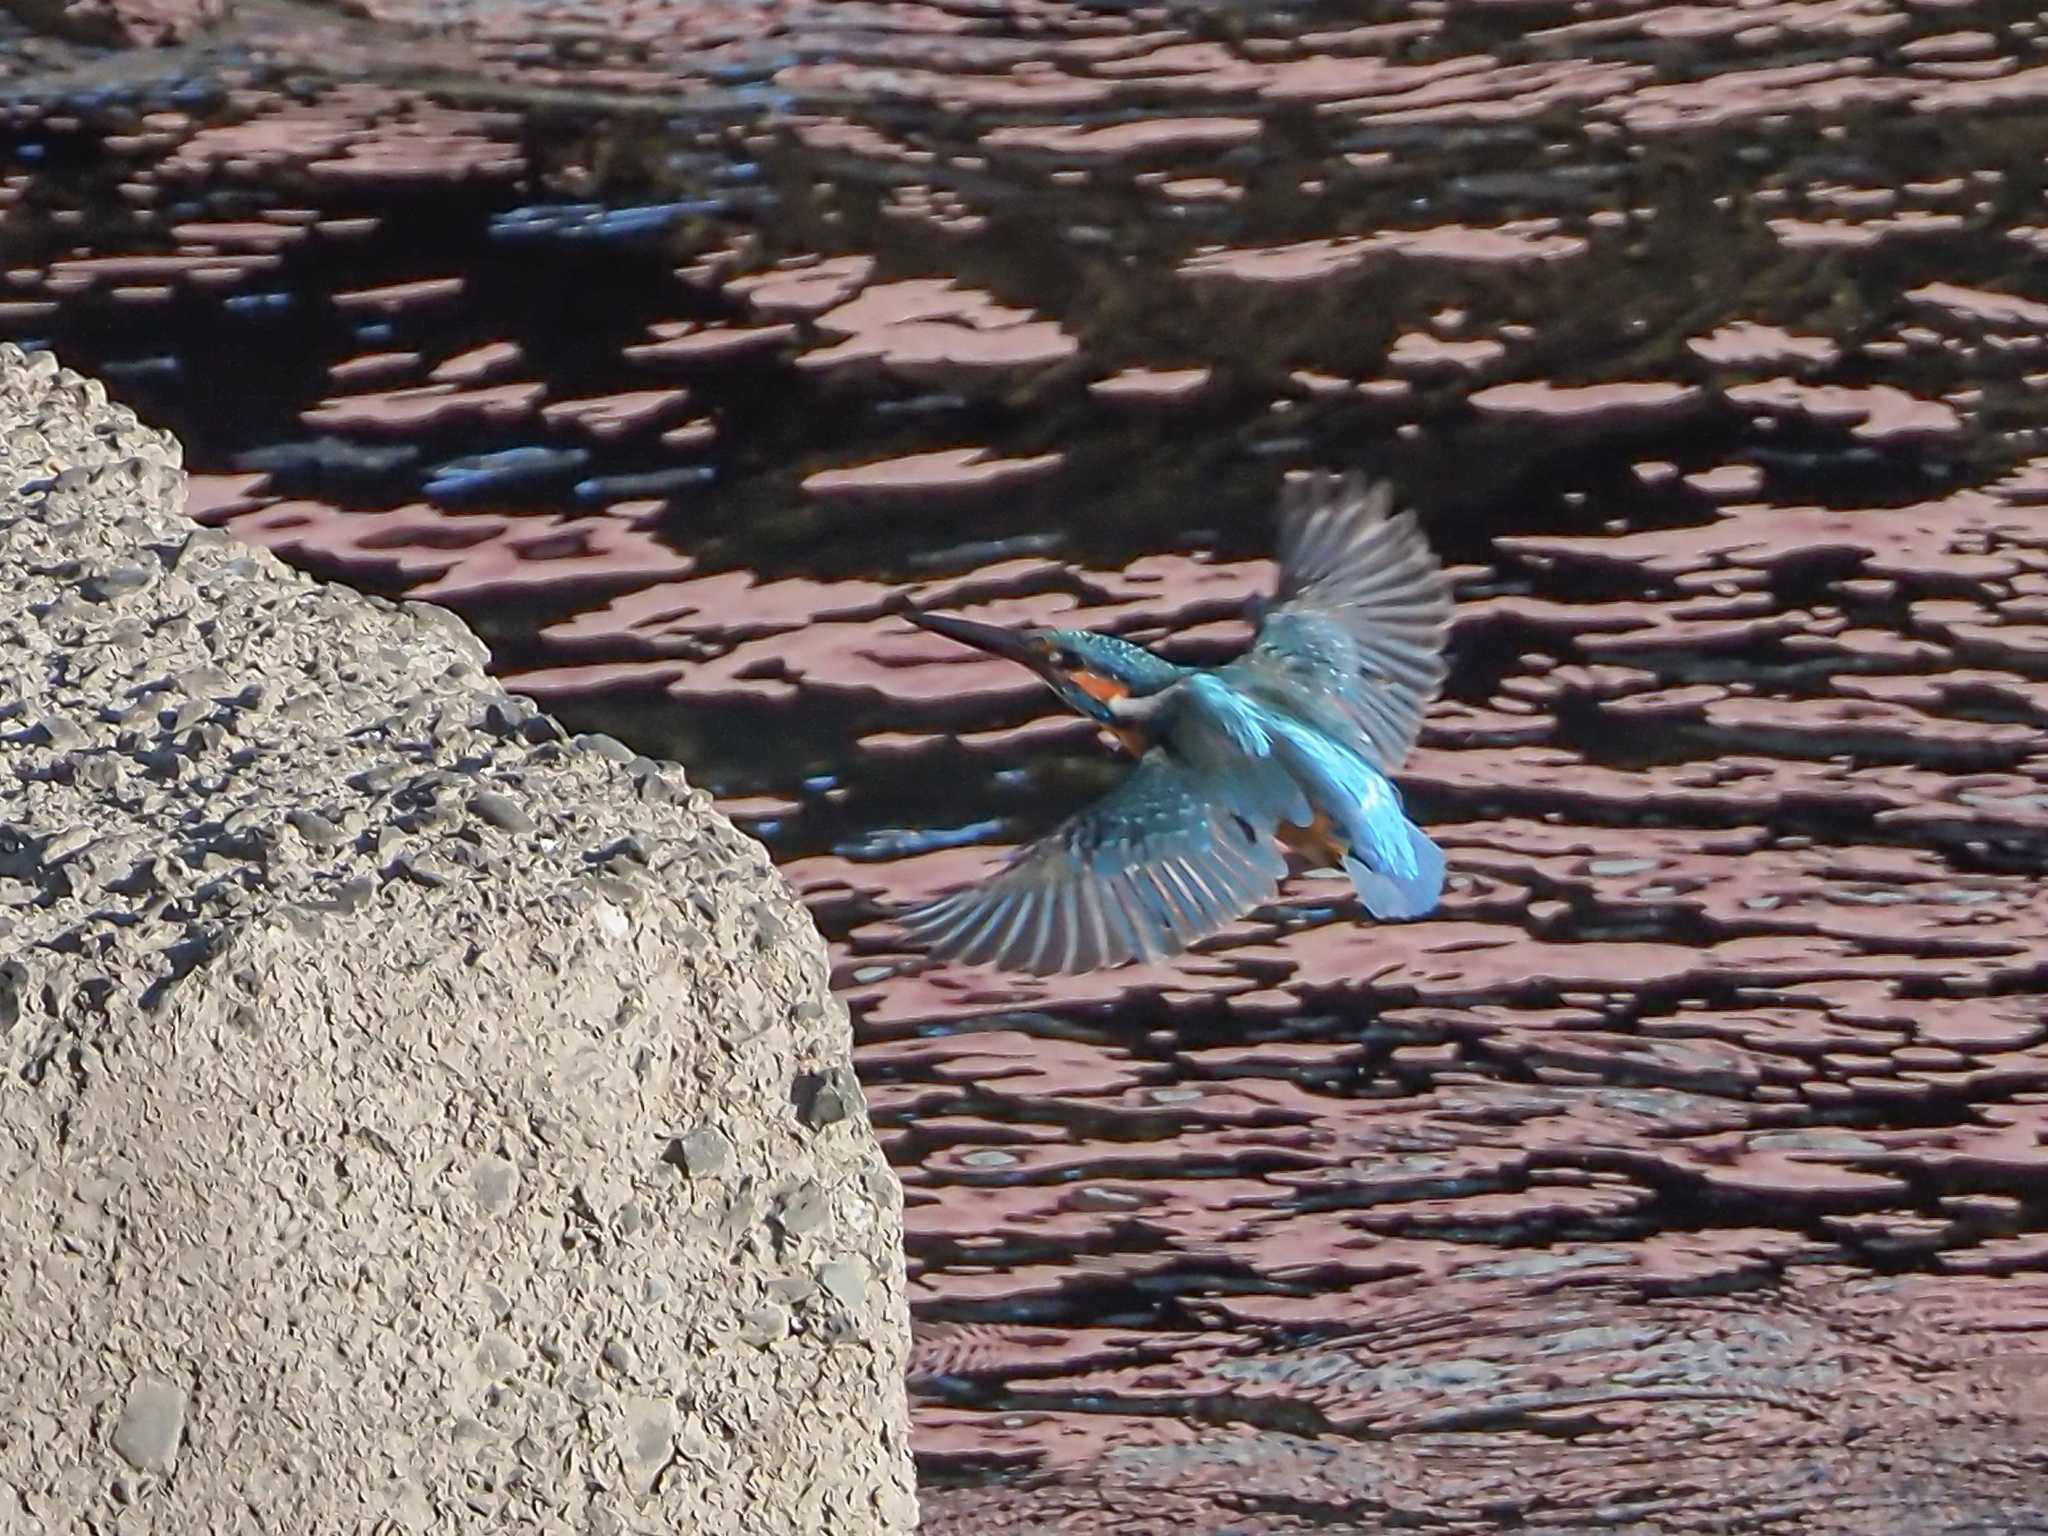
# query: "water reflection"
1708,340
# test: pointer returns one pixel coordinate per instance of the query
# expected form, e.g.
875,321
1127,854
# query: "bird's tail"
1398,871
1407,887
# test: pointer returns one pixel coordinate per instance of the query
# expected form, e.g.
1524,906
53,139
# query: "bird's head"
1089,672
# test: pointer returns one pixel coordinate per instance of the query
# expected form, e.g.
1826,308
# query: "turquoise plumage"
1294,737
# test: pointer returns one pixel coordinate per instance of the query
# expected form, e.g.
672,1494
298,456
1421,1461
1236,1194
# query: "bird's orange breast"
1319,841
1128,737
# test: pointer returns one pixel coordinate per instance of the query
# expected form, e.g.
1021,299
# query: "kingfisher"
1290,744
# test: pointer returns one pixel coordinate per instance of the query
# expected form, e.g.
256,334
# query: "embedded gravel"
412,1119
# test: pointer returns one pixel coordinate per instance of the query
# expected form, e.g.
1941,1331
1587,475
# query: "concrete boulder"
413,1120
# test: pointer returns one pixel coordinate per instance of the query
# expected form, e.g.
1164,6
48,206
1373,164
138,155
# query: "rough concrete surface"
412,1120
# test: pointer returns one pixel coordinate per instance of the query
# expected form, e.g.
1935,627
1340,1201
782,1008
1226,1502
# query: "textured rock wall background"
413,1120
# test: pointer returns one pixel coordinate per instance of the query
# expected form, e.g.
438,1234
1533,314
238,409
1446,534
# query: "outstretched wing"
1360,617
1142,873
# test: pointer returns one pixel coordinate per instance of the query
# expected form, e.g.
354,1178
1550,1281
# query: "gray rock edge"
412,1119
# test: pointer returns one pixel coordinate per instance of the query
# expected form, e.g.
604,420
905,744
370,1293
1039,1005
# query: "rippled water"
1708,339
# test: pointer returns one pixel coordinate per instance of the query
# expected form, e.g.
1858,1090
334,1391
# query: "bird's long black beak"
1010,644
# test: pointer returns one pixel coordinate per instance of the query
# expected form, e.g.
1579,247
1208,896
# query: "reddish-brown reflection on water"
1685,1168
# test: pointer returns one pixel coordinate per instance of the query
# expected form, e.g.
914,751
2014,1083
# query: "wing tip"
1347,553
1306,492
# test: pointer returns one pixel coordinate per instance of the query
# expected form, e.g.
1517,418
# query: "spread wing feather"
1140,874
1360,616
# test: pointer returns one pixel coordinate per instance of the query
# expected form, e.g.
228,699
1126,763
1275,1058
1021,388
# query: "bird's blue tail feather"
1395,897
1398,871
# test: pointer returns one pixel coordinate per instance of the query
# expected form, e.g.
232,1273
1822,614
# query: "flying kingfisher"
1292,741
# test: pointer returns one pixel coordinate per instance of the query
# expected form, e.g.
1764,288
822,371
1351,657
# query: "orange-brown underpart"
1318,841
1131,740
